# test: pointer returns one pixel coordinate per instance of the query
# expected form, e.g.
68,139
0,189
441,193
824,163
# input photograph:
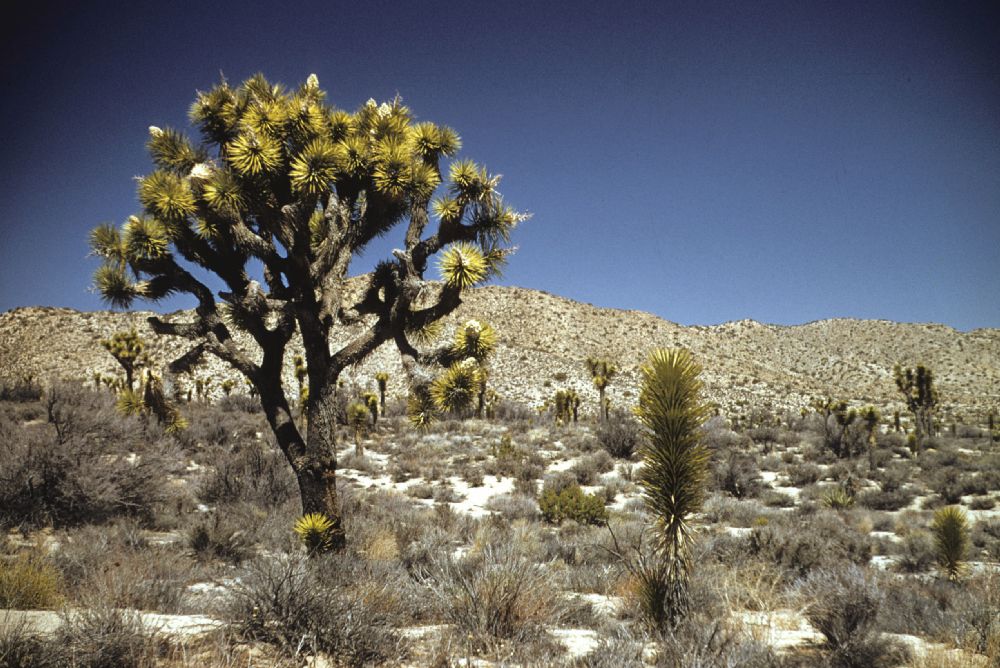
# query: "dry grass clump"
336,604
29,581
496,595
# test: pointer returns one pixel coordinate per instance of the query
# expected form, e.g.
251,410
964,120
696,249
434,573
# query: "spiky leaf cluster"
950,528
455,389
675,462
421,409
474,339
315,530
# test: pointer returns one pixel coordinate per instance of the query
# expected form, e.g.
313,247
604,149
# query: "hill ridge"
544,338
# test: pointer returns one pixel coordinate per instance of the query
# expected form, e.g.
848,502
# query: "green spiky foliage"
674,472
282,180
128,350
421,409
601,372
950,529
317,532
839,498
566,404
477,341
836,418
917,388
357,419
150,399
227,386
870,418
370,400
455,389
382,379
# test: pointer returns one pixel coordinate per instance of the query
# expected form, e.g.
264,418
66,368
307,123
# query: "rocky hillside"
544,340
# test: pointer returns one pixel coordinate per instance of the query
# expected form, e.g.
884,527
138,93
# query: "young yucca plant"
673,476
951,539
315,530
357,420
420,408
382,378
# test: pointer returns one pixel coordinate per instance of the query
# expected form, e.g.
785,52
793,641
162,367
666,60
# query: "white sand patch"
564,465
883,562
781,629
578,642
47,621
476,498
600,603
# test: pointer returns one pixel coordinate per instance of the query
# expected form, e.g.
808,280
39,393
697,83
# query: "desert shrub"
775,499
22,389
737,475
20,647
220,536
106,565
982,503
801,546
588,469
336,604
896,499
571,503
917,552
103,636
843,605
986,536
619,435
712,644
800,475
495,596
28,581
240,403
255,474
43,481
513,506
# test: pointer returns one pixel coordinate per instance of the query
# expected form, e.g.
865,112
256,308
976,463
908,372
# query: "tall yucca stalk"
675,467
951,538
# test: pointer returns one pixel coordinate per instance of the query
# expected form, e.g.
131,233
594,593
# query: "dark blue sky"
704,161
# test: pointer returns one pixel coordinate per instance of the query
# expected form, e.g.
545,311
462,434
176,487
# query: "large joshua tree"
284,181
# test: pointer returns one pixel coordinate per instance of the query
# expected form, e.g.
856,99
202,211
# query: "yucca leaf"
251,153
314,168
115,286
463,265
172,151
166,196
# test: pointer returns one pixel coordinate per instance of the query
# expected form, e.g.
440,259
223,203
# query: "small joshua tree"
836,419
672,477
951,539
357,420
128,350
601,372
917,388
382,378
370,400
870,418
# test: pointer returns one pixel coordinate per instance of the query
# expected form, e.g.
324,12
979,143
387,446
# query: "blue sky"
703,161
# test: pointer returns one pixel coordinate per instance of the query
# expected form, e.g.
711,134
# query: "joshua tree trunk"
313,458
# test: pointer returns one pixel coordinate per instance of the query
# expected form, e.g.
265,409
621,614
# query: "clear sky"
704,161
